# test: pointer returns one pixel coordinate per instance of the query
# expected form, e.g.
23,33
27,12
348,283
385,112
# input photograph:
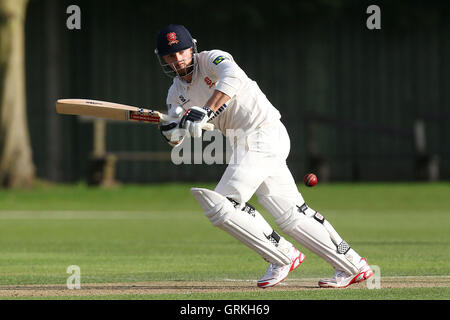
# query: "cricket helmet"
171,39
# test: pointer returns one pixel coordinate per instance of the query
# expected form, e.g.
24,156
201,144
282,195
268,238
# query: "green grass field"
158,233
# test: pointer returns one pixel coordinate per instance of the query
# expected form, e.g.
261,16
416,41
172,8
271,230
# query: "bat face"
107,110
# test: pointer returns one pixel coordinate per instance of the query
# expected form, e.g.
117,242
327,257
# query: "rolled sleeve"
230,78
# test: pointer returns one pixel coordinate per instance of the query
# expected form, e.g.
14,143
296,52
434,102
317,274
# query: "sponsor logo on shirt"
209,82
183,100
219,59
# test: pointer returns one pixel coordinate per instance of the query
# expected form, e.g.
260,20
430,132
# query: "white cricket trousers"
258,166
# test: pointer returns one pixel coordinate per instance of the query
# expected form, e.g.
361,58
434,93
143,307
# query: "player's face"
180,61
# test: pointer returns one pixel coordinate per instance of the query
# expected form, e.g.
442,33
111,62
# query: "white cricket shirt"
248,108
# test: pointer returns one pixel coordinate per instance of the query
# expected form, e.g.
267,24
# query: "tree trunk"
16,165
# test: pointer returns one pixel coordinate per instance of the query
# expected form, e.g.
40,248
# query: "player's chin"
184,72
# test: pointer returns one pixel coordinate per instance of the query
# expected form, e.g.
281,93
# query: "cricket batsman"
209,86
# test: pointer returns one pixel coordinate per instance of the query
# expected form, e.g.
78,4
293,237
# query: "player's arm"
230,76
217,100
230,79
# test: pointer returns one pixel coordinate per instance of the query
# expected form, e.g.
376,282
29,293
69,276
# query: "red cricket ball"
310,180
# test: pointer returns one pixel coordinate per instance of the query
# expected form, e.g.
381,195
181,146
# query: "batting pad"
249,228
311,230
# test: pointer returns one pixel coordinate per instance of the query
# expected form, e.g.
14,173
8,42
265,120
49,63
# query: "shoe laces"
274,269
340,274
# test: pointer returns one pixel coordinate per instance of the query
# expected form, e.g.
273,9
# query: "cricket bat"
114,111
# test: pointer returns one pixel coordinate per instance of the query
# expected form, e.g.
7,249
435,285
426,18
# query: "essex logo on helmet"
172,38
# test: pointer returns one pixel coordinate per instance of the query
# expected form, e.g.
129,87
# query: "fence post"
426,164
102,165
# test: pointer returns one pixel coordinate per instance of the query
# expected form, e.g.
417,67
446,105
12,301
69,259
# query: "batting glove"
194,119
172,133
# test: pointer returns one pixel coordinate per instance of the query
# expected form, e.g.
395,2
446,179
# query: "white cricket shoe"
275,273
341,279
